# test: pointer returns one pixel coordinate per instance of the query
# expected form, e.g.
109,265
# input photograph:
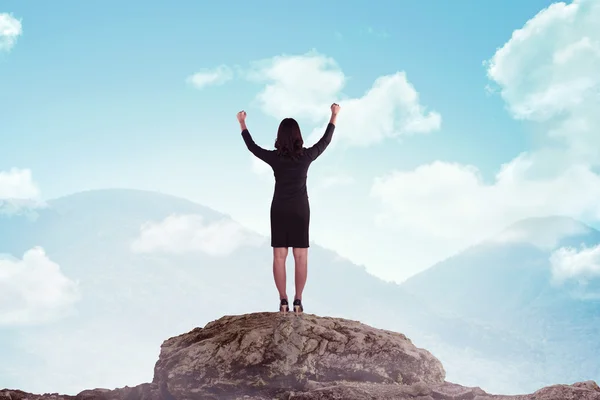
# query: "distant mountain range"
148,266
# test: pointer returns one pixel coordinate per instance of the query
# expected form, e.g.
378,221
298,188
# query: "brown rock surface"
271,352
266,356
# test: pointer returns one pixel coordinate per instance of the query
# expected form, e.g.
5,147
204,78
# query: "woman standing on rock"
290,210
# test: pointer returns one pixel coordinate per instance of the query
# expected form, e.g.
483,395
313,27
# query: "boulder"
273,352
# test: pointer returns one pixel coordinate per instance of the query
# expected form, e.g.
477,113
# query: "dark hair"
289,141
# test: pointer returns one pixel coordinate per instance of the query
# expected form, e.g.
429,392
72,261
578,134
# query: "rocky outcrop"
275,356
273,353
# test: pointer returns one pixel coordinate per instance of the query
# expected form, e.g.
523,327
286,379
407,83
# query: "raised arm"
318,148
255,149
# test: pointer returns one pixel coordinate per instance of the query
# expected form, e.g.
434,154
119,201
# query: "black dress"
290,210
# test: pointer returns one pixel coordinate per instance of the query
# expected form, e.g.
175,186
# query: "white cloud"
207,77
550,65
301,86
191,233
304,86
451,202
19,194
547,73
18,184
34,290
570,263
10,29
389,109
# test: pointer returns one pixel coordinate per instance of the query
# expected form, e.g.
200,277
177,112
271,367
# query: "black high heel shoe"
298,309
284,306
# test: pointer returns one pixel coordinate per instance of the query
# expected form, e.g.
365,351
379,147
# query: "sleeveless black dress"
290,210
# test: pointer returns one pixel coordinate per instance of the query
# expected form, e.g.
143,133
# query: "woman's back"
290,172
290,177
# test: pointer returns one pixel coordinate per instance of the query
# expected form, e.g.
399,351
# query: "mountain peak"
117,195
129,201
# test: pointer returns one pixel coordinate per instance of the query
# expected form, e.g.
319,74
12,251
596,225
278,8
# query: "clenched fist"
241,116
335,108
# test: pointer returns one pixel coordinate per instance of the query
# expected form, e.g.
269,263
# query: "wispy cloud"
190,233
548,72
34,290
375,32
10,29
211,77
304,86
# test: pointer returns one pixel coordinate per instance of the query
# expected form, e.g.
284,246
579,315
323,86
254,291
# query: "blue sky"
111,78
97,95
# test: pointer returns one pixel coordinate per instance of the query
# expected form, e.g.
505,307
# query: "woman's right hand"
241,116
335,108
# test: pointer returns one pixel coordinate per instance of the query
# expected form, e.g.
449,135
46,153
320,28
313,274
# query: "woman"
290,211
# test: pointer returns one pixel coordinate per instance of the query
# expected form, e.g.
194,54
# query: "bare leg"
301,261
279,256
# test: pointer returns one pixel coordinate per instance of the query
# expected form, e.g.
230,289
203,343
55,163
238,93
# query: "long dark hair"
289,141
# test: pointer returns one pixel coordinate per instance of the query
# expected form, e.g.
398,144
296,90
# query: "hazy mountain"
99,279
506,285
